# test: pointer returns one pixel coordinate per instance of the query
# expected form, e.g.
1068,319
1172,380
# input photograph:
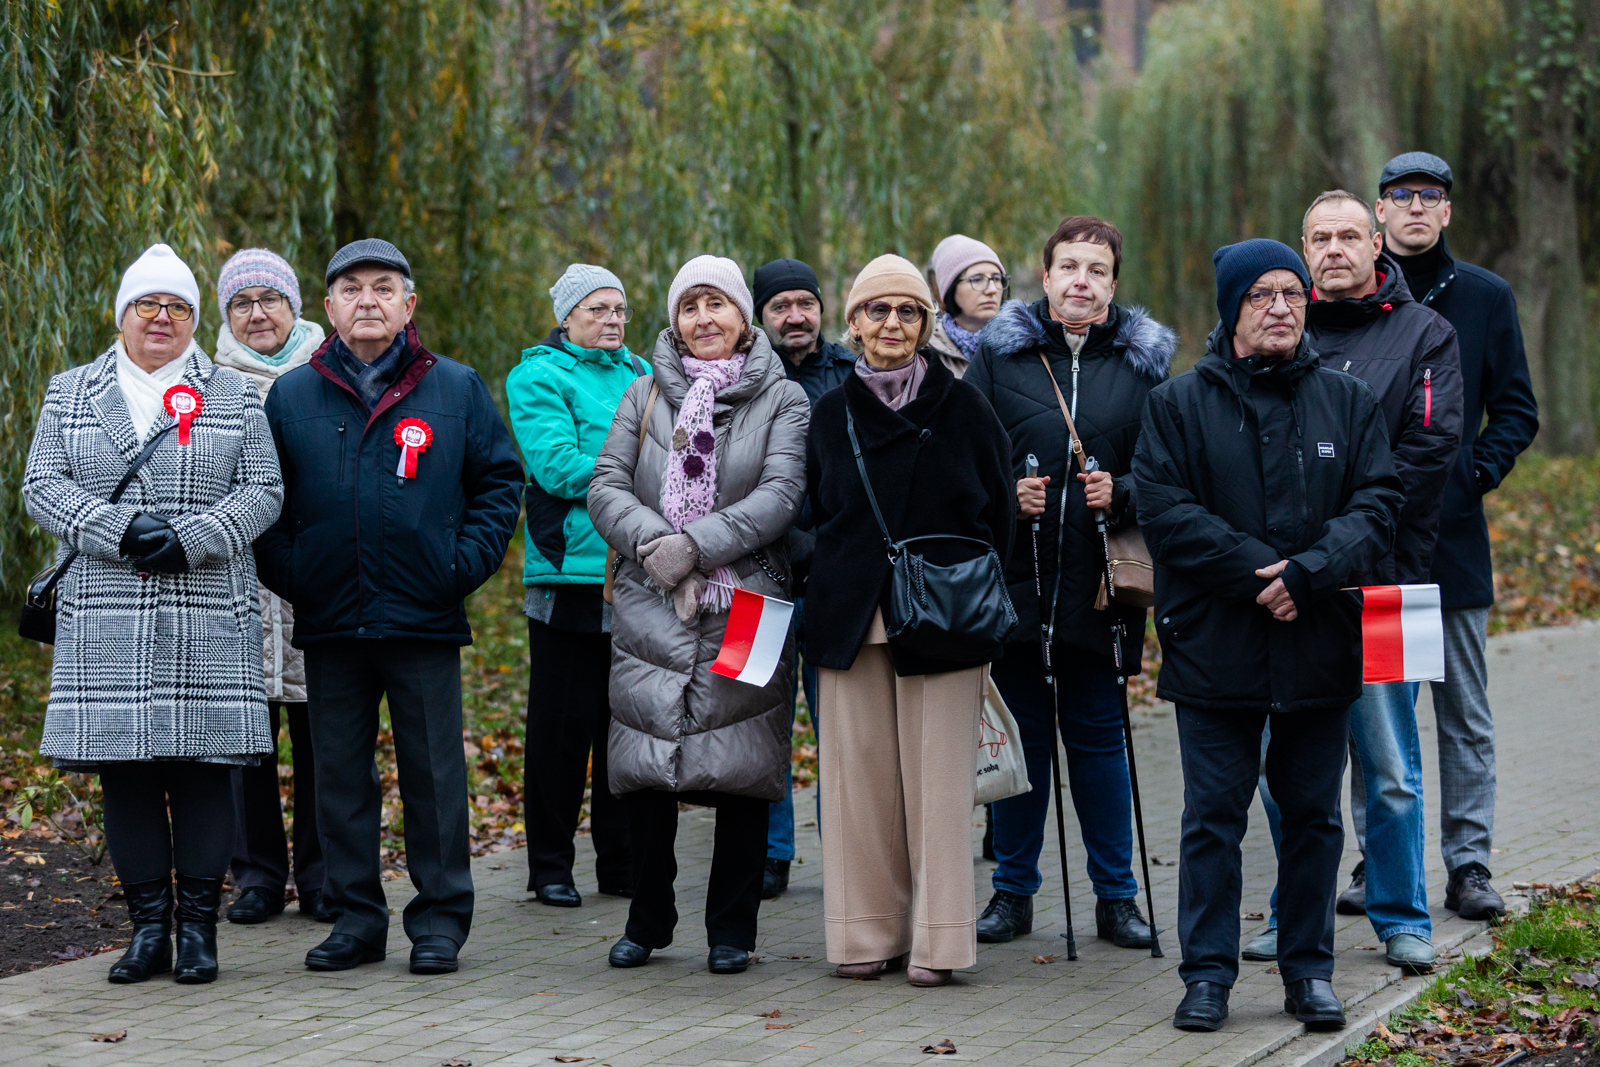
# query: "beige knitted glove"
668,560
686,597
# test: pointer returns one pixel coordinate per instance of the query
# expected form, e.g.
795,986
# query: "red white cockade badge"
413,436
183,404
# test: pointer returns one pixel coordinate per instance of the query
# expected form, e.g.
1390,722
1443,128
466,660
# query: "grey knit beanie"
579,281
718,272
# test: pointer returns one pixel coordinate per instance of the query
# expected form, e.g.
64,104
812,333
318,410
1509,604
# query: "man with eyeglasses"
788,303
1266,485
1365,322
1414,207
401,494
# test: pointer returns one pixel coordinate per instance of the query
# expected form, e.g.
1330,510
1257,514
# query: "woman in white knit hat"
971,286
701,477
563,397
156,683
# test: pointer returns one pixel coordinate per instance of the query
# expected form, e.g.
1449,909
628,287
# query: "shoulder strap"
644,420
638,368
1072,431
861,465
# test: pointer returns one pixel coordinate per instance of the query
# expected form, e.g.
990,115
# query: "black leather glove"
162,552
146,522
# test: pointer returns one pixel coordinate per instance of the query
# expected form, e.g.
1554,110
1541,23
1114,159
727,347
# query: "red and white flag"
752,645
1402,634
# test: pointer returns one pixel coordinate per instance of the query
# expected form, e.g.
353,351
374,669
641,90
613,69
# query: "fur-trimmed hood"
1146,344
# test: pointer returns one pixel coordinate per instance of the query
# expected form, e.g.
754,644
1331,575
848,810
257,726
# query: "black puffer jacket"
1242,464
1120,362
1407,353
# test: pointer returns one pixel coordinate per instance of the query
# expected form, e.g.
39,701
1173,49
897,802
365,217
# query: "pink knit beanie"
954,255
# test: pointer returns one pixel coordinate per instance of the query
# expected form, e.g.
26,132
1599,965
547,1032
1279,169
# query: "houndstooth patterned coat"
168,666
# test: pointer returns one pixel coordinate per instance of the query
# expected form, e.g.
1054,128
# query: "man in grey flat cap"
402,488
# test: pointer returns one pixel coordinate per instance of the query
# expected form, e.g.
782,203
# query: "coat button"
1167,621
1264,437
361,629
397,394
1272,529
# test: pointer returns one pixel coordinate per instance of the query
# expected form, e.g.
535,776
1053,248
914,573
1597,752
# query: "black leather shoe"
434,954
1122,923
1008,915
150,951
775,879
256,904
725,959
1353,901
1312,1001
1470,895
627,953
312,906
341,952
1205,1005
196,929
559,896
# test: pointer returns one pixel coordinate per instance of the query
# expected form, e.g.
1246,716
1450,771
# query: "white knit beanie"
715,271
158,270
578,281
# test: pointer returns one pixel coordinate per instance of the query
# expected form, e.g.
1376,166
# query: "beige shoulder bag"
1133,577
613,560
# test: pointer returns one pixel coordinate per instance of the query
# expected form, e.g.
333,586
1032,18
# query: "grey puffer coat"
675,725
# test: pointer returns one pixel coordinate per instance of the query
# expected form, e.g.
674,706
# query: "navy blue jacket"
822,370
361,552
1495,380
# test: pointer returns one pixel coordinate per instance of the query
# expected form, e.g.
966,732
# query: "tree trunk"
1362,139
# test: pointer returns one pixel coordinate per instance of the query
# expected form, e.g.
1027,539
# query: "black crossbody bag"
38,621
959,612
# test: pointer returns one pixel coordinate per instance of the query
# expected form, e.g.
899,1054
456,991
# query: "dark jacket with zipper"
1121,360
1243,463
1495,381
821,371
1408,355
361,552
939,465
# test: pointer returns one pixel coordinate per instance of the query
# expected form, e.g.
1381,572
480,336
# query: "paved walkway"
534,983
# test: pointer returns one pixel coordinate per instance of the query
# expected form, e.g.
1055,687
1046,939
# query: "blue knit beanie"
1239,266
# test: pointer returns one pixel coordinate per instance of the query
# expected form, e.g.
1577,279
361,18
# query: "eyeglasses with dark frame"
601,313
1261,299
908,314
178,310
981,282
1400,196
240,307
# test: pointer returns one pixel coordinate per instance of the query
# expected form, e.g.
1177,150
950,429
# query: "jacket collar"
763,369
1219,364
1131,332
878,425
827,352
558,348
416,360
113,409
1357,311
1443,280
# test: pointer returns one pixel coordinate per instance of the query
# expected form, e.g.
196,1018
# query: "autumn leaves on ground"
1544,522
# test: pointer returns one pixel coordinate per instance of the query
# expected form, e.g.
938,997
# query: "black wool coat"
1242,464
939,465
1495,382
1408,355
1121,360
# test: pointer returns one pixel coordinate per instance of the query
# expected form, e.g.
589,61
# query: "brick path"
535,985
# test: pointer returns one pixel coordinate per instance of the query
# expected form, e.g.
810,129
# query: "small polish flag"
753,642
1402,634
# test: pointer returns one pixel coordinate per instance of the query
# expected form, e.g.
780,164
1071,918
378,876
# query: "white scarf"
298,348
143,391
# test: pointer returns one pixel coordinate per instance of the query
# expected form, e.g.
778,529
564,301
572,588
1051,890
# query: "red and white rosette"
413,436
182,403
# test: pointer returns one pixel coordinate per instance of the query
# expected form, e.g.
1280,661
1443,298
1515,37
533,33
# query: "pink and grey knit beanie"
717,271
256,266
954,255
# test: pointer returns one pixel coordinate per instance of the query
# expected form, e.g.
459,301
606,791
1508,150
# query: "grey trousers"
1465,726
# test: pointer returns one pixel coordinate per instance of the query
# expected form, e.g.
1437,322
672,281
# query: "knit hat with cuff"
717,272
158,270
782,276
257,266
1240,266
954,255
891,276
579,280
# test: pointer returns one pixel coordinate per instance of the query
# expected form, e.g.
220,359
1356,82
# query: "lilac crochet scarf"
689,490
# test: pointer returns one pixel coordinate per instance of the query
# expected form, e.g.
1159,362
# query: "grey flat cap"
1408,163
367,250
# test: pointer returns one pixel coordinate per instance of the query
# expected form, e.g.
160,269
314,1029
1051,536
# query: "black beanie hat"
1238,267
780,276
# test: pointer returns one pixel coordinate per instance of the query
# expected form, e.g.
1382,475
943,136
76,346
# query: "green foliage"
1544,529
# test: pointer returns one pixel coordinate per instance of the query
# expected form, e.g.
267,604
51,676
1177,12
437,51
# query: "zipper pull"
1427,396
1347,365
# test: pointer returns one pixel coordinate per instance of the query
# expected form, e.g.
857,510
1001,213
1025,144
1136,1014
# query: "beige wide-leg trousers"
898,759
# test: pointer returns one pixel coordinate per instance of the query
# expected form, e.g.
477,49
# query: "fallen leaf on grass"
111,1039
1044,959
780,1026
943,1048
1584,980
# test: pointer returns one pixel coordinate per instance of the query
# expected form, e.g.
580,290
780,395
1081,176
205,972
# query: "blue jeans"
1388,754
780,814
1097,769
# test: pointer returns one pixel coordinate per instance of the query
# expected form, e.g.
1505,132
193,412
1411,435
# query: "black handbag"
959,612
38,622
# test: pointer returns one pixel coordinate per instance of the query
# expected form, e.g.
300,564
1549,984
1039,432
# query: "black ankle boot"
150,951
198,899
1122,923
1008,915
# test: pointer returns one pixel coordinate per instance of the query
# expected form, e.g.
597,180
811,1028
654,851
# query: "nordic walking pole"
1055,718
1127,730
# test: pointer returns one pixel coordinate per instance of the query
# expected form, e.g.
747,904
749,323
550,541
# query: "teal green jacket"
562,401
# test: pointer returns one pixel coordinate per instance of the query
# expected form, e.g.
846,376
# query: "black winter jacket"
1241,465
357,550
1495,380
1121,360
1408,355
939,465
821,371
